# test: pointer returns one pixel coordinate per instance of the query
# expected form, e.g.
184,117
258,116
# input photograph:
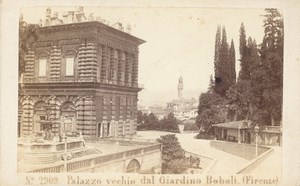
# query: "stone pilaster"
87,62
86,121
104,56
55,63
128,69
54,114
121,68
135,70
27,115
113,66
29,66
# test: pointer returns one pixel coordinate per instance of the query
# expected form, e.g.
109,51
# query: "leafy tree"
223,67
232,63
27,32
239,99
211,84
212,109
140,117
267,77
169,123
173,156
217,50
152,121
244,72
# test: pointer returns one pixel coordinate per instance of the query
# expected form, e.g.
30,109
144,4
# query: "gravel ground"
225,164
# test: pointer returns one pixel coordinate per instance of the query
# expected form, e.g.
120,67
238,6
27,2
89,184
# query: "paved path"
225,164
271,166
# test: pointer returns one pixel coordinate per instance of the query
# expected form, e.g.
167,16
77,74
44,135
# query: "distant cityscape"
184,109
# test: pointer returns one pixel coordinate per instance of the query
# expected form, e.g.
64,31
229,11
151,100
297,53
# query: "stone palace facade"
81,75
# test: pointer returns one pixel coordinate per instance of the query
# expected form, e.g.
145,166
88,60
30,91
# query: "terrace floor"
225,163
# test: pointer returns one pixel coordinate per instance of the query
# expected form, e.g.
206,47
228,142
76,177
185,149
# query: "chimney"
55,14
91,17
80,10
40,22
128,28
70,16
48,13
65,17
98,18
118,26
48,17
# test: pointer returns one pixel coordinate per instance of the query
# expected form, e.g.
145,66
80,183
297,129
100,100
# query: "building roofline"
96,23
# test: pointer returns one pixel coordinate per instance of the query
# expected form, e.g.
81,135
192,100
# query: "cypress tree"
216,57
232,63
223,67
245,68
211,84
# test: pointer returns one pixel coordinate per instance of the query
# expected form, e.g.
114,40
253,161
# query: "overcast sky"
180,41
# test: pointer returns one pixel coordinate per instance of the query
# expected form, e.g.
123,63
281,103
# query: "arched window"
133,166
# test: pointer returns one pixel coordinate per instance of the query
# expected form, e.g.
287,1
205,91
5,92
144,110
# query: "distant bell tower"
180,87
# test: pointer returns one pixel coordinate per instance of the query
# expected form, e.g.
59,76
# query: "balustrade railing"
276,129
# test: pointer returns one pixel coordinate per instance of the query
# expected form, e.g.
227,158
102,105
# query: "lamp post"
256,128
239,134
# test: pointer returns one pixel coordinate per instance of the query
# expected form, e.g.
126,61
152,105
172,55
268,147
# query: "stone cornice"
80,86
92,24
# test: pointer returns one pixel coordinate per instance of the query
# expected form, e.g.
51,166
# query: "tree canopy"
27,32
256,94
173,156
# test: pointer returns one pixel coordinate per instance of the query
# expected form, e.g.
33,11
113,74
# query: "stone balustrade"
98,160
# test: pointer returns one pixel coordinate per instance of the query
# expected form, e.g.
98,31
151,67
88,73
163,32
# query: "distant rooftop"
78,16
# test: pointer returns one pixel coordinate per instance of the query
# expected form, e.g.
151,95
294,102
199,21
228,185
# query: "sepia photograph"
139,90
149,93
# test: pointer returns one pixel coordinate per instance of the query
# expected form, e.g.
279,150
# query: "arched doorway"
133,166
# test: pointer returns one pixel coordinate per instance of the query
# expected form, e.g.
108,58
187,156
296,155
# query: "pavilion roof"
242,124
